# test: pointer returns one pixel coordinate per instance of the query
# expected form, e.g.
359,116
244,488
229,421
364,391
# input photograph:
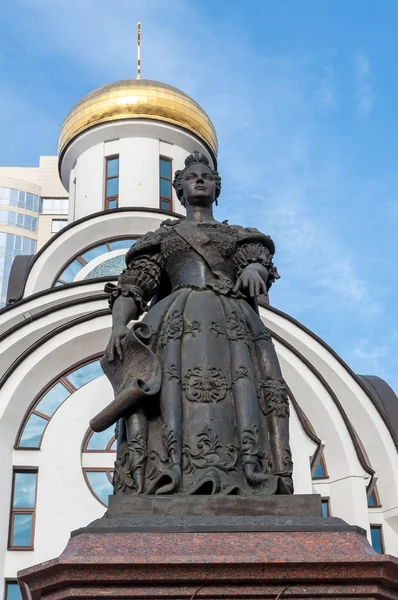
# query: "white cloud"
364,96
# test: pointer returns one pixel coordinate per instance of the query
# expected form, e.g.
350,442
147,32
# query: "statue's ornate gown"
220,422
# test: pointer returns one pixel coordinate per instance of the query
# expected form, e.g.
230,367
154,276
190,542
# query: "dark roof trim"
49,336
101,213
53,290
325,384
302,419
340,361
50,310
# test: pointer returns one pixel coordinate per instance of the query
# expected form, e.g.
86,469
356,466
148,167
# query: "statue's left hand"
251,281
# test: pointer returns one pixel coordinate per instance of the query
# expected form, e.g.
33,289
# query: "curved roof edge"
35,257
357,378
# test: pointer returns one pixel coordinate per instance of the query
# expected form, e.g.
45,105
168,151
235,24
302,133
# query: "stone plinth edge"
193,524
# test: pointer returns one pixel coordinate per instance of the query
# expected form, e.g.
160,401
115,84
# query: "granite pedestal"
216,556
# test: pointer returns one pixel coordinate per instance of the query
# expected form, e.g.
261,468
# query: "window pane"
12,216
112,204
24,490
376,539
371,500
28,222
99,441
100,485
85,374
325,508
14,194
20,217
13,592
165,188
58,224
54,398
112,187
165,168
319,472
112,167
121,244
71,271
29,201
32,432
21,533
25,245
164,205
34,223
32,246
94,252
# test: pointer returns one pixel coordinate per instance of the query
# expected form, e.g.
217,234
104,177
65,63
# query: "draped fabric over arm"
255,247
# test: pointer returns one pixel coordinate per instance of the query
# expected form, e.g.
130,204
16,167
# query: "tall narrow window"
12,591
325,507
377,538
320,471
112,182
166,194
23,506
373,499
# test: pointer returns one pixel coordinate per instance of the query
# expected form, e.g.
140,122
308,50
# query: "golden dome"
138,99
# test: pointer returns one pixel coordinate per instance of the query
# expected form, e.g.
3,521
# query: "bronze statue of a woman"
200,403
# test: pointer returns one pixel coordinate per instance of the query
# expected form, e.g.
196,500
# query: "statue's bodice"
186,267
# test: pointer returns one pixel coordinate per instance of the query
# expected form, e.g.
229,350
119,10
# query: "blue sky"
304,97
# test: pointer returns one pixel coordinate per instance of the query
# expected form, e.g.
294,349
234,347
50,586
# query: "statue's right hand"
116,343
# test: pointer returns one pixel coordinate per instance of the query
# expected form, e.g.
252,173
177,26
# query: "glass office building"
19,211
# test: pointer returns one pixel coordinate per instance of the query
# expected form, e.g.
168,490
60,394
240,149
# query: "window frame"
380,528
325,475
374,494
7,581
23,511
325,500
79,257
58,221
31,410
106,470
86,441
108,199
167,199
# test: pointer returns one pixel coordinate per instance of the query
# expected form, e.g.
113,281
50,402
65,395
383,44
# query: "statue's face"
198,185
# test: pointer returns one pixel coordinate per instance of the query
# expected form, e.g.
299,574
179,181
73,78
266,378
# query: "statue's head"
197,184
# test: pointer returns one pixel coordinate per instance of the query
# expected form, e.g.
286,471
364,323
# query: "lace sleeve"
139,280
255,252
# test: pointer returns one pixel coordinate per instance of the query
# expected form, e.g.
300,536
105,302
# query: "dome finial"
138,51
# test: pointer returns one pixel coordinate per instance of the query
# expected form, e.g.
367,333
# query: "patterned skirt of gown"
220,422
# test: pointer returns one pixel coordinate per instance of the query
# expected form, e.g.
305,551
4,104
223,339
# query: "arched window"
50,399
99,479
103,268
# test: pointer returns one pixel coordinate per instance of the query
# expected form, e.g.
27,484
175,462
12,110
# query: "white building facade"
118,149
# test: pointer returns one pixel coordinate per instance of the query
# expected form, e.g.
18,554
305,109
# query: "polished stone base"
229,566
